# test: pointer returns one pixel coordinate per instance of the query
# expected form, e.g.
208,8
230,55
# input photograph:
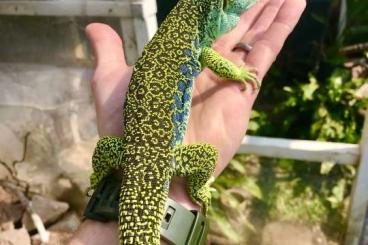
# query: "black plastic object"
104,203
179,226
183,227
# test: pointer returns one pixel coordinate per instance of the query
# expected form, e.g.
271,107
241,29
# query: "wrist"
177,192
93,232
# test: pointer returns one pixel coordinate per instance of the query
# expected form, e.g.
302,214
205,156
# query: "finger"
269,44
226,42
263,21
106,45
111,78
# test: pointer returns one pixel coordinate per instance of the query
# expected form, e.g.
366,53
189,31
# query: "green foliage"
318,109
357,26
287,203
232,197
331,105
322,106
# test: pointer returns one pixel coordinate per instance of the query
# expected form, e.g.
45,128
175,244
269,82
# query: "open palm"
220,109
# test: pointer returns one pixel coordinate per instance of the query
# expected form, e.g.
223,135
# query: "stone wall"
47,118
54,106
47,124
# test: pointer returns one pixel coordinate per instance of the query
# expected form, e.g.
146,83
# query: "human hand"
220,109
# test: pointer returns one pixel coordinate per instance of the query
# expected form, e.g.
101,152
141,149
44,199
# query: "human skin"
220,108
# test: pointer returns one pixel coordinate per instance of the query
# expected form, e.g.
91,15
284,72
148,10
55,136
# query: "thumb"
107,47
111,77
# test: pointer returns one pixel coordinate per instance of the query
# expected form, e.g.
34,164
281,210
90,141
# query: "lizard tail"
140,213
143,195
144,191
144,188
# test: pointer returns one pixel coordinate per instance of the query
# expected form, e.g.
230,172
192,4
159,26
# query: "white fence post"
137,17
359,194
307,150
137,31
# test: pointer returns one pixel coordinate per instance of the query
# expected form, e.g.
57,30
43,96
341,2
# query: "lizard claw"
250,75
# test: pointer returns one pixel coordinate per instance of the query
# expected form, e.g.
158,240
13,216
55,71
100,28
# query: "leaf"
326,167
336,81
238,166
288,89
337,197
309,89
226,227
250,185
253,126
254,114
322,112
351,169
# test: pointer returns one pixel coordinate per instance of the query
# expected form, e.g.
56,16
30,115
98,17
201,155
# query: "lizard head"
230,13
224,15
235,6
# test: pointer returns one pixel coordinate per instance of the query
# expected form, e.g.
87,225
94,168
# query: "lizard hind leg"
107,156
197,162
227,69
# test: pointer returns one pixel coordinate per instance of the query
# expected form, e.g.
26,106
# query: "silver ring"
244,46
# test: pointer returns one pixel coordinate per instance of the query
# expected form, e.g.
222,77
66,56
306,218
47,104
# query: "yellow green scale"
156,114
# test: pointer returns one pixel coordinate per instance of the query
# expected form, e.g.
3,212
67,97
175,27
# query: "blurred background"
316,90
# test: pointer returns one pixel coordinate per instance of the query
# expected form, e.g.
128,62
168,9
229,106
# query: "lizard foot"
107,156
228,70
197,162
249,75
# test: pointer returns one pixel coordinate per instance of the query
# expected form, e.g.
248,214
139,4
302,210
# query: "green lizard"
156,114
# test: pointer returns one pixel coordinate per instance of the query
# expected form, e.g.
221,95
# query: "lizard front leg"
227,69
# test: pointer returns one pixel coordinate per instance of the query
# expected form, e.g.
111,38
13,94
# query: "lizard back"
155,119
